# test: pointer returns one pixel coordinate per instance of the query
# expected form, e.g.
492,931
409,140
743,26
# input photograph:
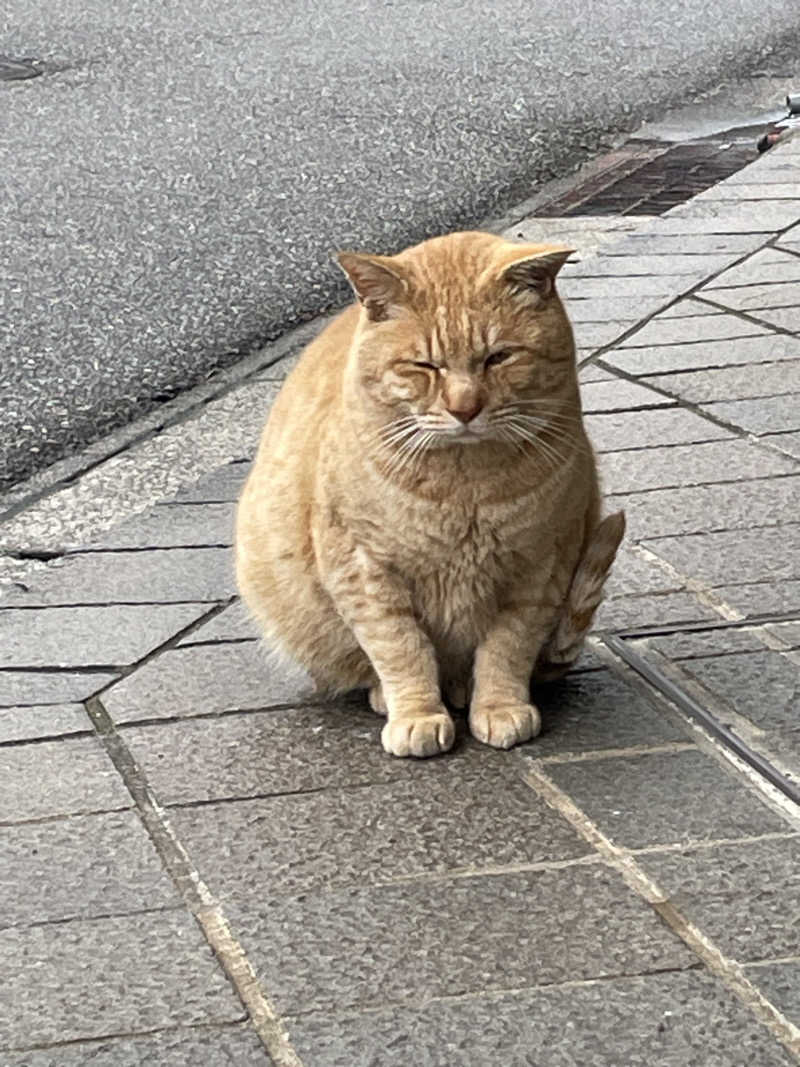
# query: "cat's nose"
466,411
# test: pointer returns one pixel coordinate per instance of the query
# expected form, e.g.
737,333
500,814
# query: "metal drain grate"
650,177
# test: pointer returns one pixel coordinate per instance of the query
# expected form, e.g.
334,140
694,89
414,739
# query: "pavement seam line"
621,860
196,895
704,593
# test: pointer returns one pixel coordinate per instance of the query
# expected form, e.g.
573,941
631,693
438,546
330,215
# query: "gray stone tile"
82,867
701,508
256,849
780,984
598,334
788,443
735,556
633,574
661,609
232,624
50,687
731,383
755,297
665,1020
665,798
66,777
591,372
663,359
689,330
697,645
46,720
763,686
762,598
409,942
618,266
220,486
157,576
767,215
744,895
620,395
772,414
205,679
751,191
89,636
639,286
611,309
764,268
786,631
268,753
787,318
689,308
173,526
229,1046
683,465
660,244
638,429
89,978
597,710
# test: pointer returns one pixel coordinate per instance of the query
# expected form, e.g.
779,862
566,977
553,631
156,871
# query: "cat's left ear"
538,271
376,280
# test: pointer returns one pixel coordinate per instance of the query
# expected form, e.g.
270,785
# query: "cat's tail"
583,599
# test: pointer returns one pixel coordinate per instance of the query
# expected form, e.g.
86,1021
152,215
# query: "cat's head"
463,339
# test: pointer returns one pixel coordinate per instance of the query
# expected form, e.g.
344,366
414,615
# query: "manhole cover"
14,70
650,177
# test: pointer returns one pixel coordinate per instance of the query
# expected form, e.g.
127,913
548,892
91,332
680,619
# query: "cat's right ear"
375,281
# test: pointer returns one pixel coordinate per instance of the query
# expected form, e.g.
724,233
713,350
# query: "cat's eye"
494,359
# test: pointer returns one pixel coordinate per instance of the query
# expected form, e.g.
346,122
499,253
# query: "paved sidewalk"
201,865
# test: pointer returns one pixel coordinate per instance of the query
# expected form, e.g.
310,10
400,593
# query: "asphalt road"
174,186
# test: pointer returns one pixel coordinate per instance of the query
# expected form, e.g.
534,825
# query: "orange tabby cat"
422,518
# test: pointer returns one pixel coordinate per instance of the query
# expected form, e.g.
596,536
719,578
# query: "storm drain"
650,177
748,740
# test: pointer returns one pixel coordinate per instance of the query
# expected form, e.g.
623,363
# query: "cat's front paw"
504,725
420,734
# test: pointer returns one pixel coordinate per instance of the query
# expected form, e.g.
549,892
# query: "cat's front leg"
501,713
379,611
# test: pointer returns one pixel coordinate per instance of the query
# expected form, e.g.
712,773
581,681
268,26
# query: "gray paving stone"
700,508
221,486
638,429
735,556
766,216
597,710
665,1020
618,266
721,642
232,624
755,297
771,414
762,598
205,679
767,173
643,285
689,307
731,383
787,318
89,978
665,798
764,268
632,574
611,309
89,636
172,526
47,720
264,848
661,609
229,1046
85,866
744,896
408,942
683,465
780,983
786,442
692,329
49,687
45,778
268,753
591,372
763,686
705,244
598,334
620,395
750,191
663,359
786,631
157,576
